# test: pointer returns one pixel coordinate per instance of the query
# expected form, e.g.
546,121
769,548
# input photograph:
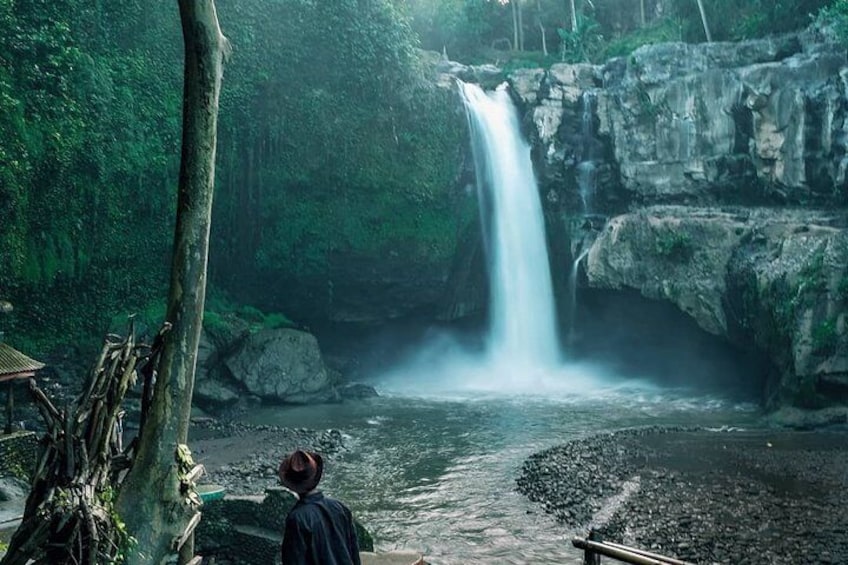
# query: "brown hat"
301,471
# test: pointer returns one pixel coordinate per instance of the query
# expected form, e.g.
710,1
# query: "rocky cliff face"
716,176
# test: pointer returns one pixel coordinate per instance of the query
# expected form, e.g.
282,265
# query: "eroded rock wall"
718,184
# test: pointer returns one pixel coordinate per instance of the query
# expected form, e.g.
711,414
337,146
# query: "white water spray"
523,334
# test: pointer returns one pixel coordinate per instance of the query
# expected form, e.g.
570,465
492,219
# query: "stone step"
390,558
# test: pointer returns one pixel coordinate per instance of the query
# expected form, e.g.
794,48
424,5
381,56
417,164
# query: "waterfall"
572,294
523,333
586,164
586,184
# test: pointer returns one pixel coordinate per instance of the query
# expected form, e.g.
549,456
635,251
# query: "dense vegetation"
544,30
332,140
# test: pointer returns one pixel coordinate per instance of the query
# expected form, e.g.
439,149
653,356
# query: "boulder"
12,488
773,280
282,365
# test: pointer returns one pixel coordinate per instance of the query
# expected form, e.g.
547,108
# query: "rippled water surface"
437,473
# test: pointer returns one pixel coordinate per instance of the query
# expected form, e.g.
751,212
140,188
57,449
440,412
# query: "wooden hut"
14,365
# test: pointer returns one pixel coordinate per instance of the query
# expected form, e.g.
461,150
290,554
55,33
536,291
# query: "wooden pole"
10,406
573,17
704,21
622,553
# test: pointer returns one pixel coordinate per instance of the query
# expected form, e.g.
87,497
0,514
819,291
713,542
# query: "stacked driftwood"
69,516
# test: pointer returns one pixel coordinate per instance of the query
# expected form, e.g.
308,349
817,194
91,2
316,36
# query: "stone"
357,391
12,488
283,365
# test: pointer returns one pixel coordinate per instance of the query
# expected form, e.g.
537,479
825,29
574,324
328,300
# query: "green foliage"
526,60
842,289
836,15
125,544
732,20
665,30
325,106
88,138
354,150
674,245
812,279
582,45
785,305
468,29
221,312
825,338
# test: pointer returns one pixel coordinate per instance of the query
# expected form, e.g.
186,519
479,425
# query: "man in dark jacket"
319,529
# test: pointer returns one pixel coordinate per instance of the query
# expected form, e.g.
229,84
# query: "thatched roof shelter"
16,365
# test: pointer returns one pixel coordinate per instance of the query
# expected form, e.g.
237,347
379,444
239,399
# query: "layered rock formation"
718,171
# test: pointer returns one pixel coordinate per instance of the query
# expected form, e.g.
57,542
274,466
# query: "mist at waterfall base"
521,351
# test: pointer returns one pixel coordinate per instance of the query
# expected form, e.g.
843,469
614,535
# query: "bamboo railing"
594,547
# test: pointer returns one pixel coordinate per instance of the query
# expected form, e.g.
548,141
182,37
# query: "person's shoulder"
300,508
337,503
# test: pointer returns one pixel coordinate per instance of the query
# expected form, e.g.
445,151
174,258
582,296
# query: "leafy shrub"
825,338
812,279
842,289
674,245
836,15
665,30
582,45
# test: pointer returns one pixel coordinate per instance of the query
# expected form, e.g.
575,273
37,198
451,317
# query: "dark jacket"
320,531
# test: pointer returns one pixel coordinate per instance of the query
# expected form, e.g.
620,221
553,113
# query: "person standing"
319,530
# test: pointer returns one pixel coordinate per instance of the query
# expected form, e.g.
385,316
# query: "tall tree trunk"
520,25
642,12
515,45
704,21
150,501
573,17
541,27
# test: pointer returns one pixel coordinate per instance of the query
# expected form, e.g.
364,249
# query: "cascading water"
572,294
523,333
586,164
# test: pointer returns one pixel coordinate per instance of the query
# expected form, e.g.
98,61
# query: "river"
436,472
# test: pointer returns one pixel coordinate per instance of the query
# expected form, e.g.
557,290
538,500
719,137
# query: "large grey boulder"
671,253
774,280
283,365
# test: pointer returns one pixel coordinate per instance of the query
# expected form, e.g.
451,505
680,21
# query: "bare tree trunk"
515,44
704,21
151,502
573,17
520,25
642,12
541,27
10,406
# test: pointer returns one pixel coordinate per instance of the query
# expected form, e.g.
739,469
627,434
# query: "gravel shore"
728,496
244,458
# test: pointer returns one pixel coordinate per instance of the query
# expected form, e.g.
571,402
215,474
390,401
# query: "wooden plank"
195,473
187,533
